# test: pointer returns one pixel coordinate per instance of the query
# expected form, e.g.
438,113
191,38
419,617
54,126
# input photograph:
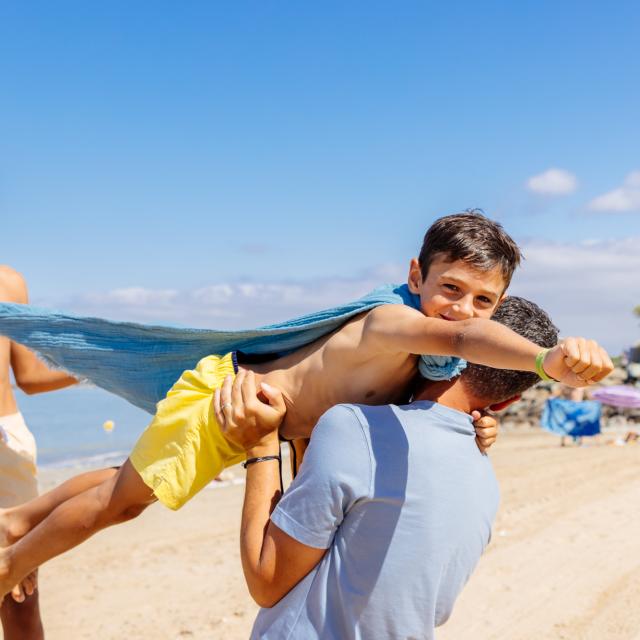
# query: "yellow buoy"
108,425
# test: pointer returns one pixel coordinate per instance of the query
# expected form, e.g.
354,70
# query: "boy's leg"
21,621
17,521
120,497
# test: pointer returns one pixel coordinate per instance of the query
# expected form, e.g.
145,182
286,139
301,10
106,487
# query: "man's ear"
499,406
415,276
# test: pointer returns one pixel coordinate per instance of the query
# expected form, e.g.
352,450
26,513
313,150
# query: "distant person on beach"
18,483
461,276
392,508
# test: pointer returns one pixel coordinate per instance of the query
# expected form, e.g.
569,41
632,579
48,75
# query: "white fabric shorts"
18,473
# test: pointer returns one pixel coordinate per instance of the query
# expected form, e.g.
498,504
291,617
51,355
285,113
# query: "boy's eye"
485,300
451,287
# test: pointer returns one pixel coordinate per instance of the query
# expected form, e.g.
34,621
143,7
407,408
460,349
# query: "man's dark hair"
472,237
530,321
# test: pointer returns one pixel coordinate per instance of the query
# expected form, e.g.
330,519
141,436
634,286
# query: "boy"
464,268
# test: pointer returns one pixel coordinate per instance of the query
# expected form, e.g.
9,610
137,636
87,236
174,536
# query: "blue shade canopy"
568,418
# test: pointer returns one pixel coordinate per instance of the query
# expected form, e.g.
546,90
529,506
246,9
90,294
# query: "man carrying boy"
392,508
18,482
464,268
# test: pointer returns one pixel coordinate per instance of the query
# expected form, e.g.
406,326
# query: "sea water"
69,426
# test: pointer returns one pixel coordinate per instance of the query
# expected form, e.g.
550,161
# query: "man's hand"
486,427
248,418
577,362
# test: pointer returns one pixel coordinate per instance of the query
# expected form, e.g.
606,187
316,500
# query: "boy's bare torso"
341,367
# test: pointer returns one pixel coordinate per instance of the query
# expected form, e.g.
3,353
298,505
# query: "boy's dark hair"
472,237
530,321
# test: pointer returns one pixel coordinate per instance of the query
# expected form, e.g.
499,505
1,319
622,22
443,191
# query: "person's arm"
400,329
31,374
272,561
276,557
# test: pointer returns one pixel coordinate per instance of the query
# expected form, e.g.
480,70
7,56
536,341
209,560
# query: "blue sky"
227,164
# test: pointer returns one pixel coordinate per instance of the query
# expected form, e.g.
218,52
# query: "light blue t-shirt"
404,502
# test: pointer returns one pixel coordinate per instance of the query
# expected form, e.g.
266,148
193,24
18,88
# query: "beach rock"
526,413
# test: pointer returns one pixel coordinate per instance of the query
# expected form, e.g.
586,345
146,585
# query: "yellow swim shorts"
183,449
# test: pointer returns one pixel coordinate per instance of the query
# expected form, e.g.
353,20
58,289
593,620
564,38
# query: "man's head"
493,386
464,268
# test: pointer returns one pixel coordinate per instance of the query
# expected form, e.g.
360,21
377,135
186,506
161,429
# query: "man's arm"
401,329
272,561
31,374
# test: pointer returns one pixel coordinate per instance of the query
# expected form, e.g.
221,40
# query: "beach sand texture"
563,563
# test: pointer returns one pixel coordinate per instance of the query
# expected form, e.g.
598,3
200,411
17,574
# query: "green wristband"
539,368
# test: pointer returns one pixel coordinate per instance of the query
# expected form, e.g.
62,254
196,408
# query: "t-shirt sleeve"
335,474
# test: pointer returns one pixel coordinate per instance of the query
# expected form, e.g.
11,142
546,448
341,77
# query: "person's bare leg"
21,621
17,521
121,497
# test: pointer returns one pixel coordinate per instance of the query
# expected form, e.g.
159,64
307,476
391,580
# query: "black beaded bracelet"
246,463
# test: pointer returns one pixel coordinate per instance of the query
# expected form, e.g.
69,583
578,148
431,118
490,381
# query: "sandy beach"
563,562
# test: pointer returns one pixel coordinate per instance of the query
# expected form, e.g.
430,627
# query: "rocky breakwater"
526,413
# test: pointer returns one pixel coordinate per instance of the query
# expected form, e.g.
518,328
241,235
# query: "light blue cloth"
568,418
404,502
140,362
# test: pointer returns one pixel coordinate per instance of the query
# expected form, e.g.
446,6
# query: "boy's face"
456,290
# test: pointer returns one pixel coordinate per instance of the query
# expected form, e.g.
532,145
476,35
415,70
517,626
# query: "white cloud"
227,305
624,198
553,182
588,288
135,297
213,294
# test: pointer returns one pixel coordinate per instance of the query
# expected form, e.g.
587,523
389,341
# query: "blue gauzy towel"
140,363
569,418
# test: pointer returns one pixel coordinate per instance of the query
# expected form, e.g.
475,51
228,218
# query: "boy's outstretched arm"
400,329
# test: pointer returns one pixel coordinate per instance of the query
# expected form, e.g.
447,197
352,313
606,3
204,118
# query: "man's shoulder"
358,421
343,427
12,285
339,417
362,414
